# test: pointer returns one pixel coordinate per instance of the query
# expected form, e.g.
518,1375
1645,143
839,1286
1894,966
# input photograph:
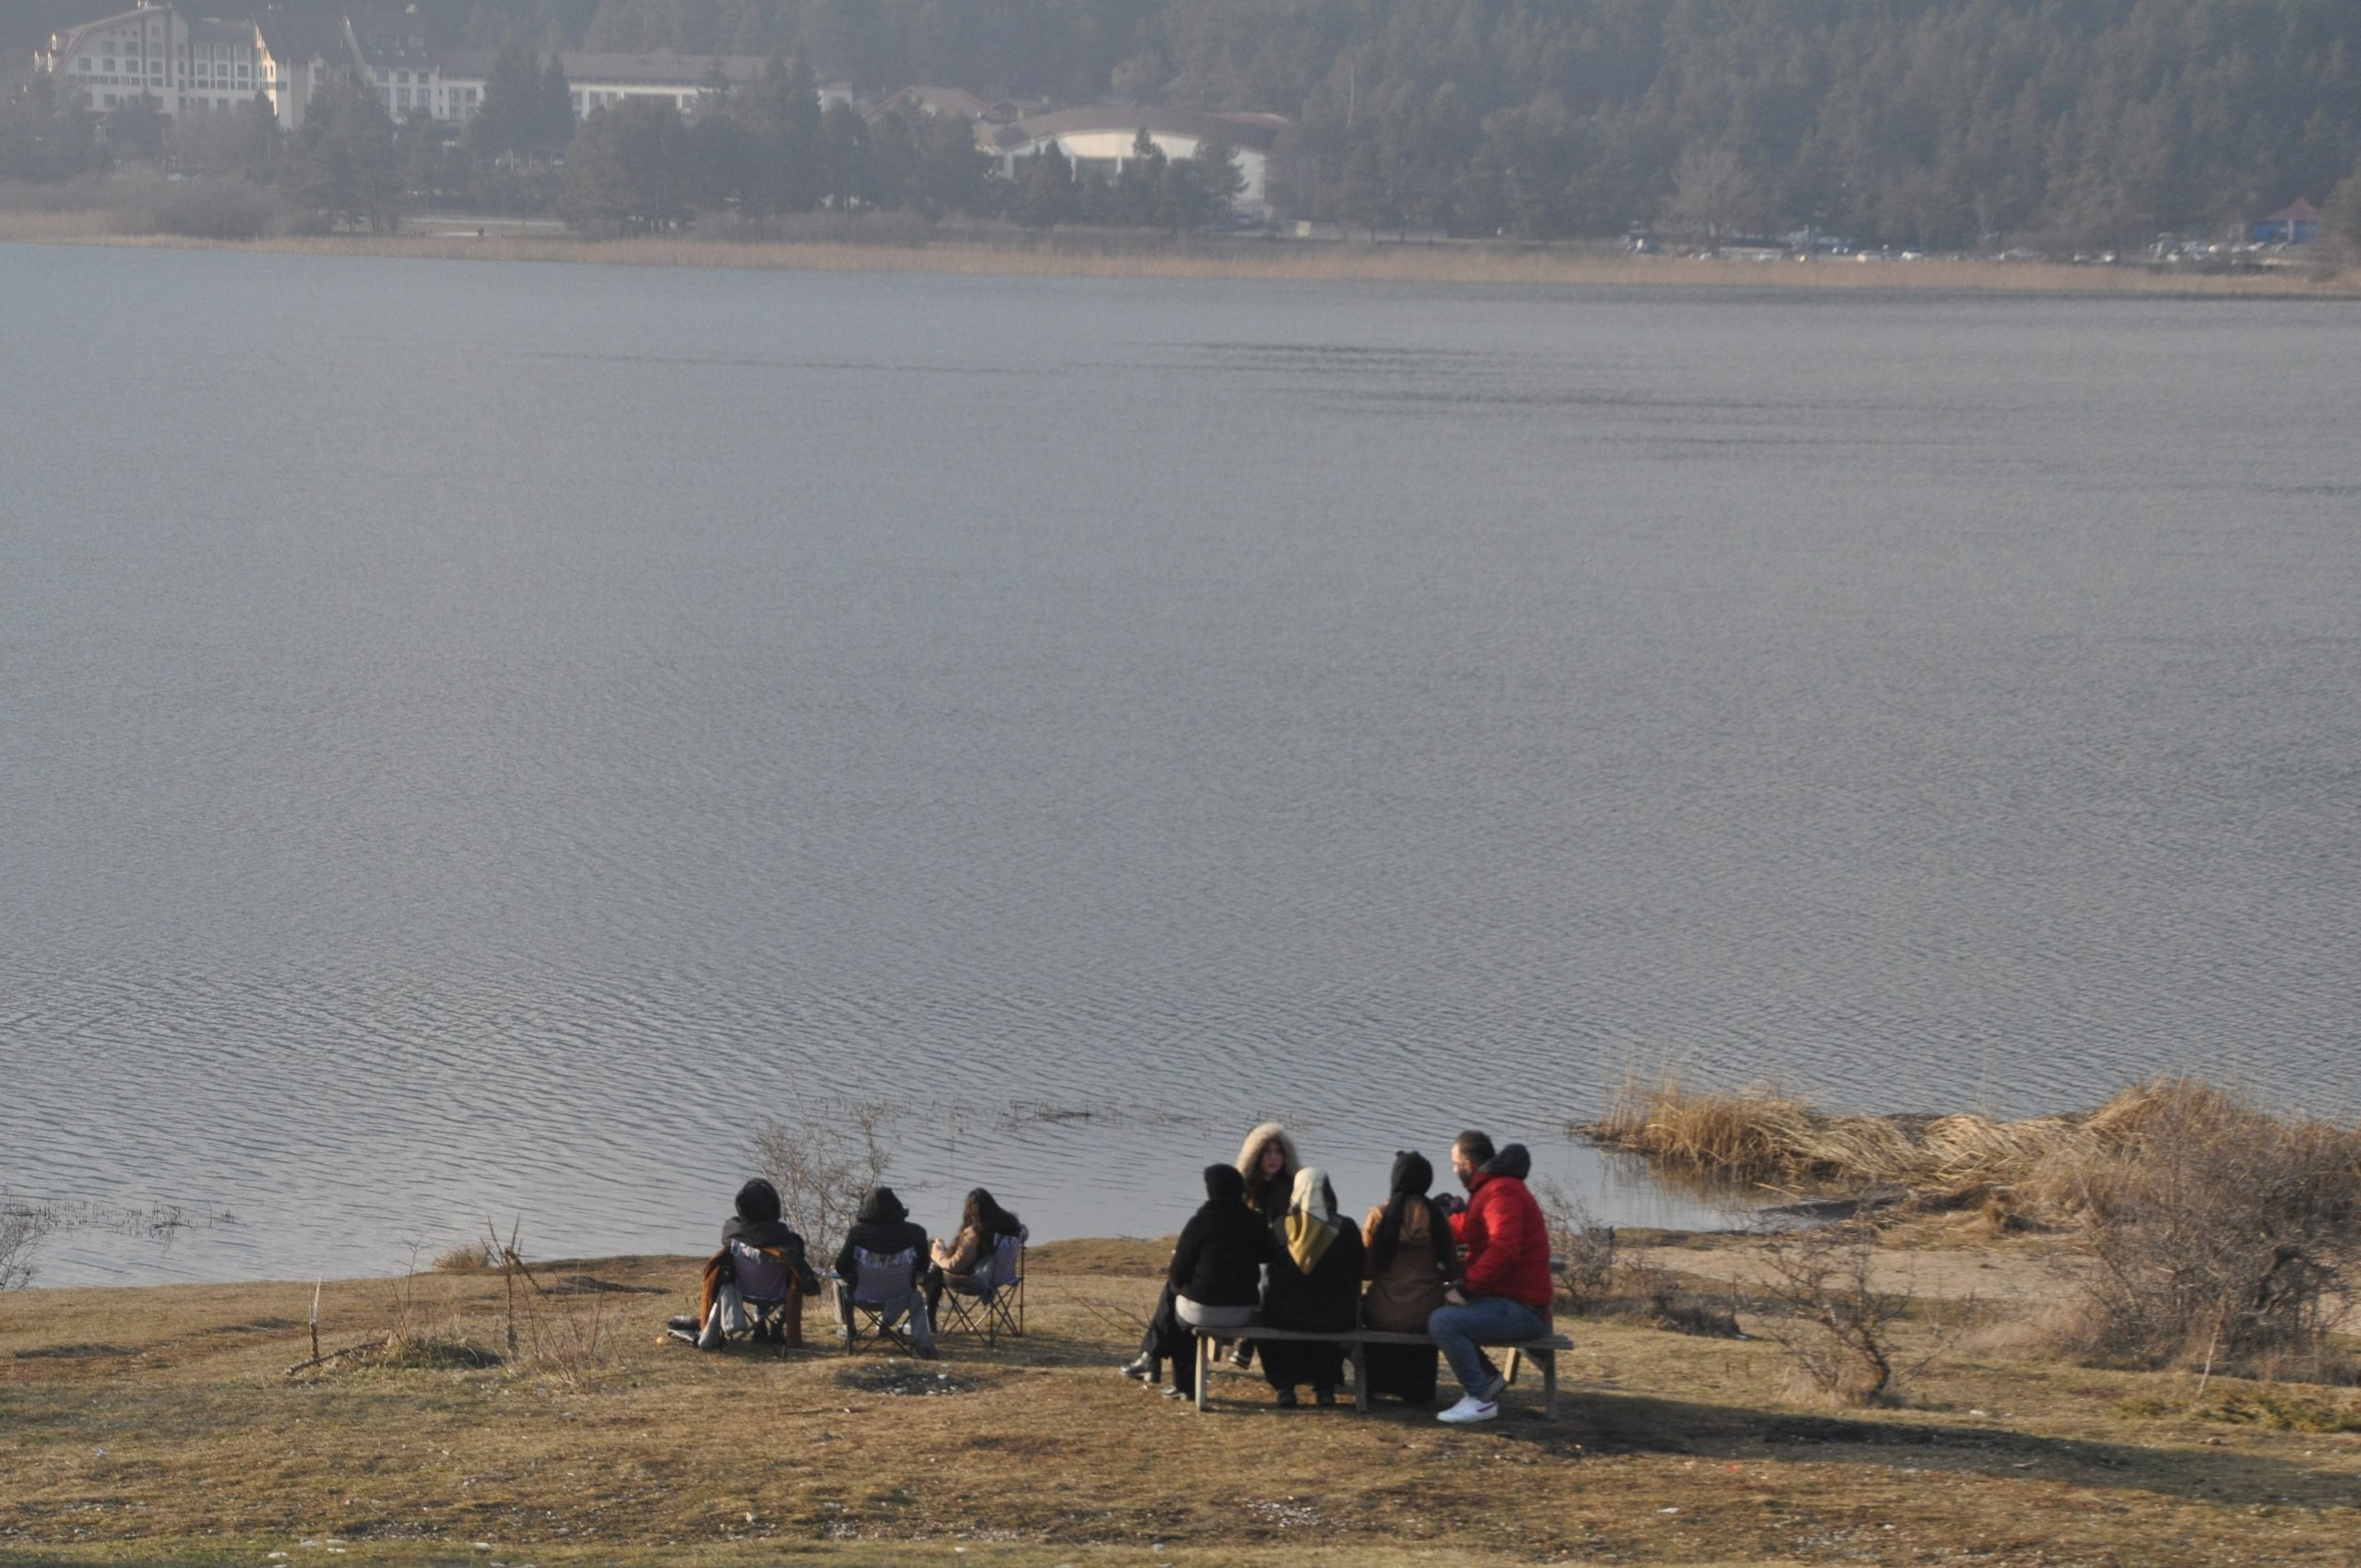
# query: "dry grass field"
1083,255
163,1425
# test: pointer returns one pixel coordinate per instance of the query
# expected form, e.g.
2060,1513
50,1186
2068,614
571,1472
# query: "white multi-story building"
186,64
192,64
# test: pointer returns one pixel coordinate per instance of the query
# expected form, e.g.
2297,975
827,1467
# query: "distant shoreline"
1244,261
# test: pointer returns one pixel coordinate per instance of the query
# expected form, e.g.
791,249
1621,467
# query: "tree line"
754,150
1926,123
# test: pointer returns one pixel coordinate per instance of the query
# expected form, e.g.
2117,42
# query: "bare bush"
824,1157
22,1225
1582,1251
1820,1302
1596,1278
2217,1234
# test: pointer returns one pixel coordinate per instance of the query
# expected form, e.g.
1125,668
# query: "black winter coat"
1327,1298
884,1226
1220,1258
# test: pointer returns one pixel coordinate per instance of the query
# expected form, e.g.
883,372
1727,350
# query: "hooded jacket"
883,1226
1268,1197
1506,1238
1223,1248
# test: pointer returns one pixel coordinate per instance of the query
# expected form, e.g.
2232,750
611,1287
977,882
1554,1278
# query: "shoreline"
177,1424
1246,260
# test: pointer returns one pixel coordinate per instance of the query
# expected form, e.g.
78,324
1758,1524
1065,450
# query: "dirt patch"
916,1380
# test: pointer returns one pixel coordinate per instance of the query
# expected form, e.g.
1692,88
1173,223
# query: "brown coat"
1400,1298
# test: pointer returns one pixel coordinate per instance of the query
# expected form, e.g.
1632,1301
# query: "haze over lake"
477,736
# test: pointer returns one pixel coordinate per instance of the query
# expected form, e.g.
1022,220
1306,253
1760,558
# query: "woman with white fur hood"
1267,1163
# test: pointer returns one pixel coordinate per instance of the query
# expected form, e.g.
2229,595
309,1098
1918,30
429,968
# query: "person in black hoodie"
755,1224
1315,1287
882,1227
1213,1282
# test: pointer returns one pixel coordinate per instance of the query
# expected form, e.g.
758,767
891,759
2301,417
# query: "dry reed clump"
2042,1167
2211,1232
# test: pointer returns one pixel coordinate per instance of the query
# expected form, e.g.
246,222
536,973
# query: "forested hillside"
1917,121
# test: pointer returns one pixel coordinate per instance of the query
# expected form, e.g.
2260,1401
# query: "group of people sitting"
882,1237
1269,1250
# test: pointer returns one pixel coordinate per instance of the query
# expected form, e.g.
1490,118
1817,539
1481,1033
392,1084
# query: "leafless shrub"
824,1157
22,1225
1582,1251
1820,1302
1655,1296
2217,1235
1596,1279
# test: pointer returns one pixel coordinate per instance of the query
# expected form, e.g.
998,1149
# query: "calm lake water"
476,737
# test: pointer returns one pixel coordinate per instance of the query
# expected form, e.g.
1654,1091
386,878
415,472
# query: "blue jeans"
1495,1319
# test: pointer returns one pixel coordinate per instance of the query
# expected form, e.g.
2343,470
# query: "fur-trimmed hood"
1252,1150
1268,1197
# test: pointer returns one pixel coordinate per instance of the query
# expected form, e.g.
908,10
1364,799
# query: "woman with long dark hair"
1411,1263
982,1225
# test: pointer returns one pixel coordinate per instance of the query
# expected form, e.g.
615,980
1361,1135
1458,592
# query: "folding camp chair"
752,1295
889,1282
990,1299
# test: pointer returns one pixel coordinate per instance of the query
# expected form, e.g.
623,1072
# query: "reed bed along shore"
1763,1137
1062,255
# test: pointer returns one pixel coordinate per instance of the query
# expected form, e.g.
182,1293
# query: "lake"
477,738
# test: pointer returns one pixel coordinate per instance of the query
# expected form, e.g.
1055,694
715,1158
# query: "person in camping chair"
757,1228
883,1229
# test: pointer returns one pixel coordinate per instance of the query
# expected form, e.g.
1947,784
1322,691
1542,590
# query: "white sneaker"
1470,1408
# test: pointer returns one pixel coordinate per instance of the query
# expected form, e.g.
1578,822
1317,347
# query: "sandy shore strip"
1067,255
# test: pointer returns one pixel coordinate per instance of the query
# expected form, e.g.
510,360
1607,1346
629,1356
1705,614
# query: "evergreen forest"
1932,123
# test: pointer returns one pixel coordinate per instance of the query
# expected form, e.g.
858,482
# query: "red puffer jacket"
1507,1240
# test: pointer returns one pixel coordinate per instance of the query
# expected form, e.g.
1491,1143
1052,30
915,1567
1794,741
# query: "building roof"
956,101
662,68
67,40
208,30
2300,211
387,37
293,38
1254,131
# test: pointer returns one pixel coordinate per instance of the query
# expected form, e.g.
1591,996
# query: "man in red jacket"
1505,1290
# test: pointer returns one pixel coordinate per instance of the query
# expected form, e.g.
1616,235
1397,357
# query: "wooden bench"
1543,1351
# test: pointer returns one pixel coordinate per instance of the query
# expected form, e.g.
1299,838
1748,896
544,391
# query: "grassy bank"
163,1424
1087,256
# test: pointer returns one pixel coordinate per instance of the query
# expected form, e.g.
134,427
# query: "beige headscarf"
1311,1223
